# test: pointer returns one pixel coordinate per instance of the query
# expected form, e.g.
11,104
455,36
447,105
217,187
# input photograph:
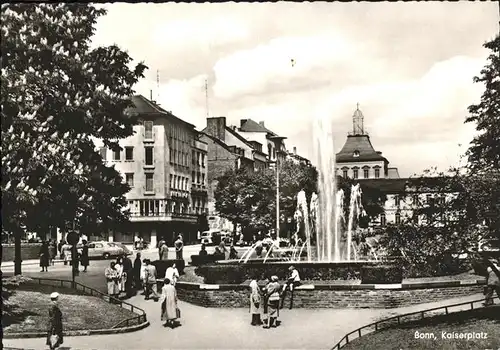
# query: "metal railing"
135,320
401,319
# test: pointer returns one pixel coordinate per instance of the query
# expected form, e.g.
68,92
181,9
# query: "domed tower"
358,159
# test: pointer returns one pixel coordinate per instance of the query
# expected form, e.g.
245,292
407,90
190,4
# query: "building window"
148,130
202,160
129,153
149,182
355,154
129,178
148,155
203,179
355,173
365,173
171,181
116,155
193,158
103,152
398,218
382,220
377,173
396,200
193,177
344,174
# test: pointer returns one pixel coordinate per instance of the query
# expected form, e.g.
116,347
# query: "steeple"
358,122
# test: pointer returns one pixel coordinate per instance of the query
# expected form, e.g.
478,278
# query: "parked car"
99,249
209,237
106,250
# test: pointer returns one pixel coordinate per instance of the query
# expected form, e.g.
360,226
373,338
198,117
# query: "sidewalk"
215,328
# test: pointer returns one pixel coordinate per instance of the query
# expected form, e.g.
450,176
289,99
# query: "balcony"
162,216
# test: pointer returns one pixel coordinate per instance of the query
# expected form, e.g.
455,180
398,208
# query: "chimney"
295,150
242,122
216,127
151,95
262,123
378,152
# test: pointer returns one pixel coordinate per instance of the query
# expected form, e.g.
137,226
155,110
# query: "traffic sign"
72,238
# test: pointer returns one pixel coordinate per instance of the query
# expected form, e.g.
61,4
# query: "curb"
79,332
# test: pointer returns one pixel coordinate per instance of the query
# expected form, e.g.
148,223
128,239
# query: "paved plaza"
216,328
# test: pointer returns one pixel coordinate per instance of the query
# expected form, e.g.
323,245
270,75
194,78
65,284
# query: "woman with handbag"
273,302
255,301
169,310
55,326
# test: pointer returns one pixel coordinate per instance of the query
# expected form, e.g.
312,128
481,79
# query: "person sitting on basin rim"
292,282
273,302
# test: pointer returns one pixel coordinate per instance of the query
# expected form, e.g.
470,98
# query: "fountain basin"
337,294
235,272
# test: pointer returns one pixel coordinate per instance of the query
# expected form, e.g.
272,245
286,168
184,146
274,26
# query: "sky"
410,66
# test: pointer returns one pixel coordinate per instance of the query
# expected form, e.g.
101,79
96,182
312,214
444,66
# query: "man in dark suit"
55,326
127,269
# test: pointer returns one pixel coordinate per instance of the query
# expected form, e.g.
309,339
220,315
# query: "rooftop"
358,148
144,107
248,125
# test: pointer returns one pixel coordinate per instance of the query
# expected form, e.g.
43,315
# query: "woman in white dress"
121,277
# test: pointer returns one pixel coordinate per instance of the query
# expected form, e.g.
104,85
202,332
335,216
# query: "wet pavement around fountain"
218,328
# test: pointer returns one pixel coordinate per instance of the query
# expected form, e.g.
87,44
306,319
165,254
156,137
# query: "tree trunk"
17,252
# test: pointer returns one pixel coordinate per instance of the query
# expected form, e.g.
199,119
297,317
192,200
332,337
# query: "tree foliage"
484,151
58,94
244,197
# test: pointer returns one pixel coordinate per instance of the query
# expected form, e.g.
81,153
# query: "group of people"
270,299
220,250
48,253
163,248
120,277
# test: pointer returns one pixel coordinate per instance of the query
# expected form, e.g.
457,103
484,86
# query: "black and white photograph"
250,175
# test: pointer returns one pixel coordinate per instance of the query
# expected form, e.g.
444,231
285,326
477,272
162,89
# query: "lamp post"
278,142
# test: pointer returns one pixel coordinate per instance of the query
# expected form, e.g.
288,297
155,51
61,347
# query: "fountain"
334,254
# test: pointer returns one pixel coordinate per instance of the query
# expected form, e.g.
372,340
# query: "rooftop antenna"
206,97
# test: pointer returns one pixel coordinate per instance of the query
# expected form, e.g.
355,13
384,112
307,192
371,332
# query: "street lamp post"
278,142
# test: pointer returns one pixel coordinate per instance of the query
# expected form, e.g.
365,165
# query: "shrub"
9,285
382,274
221,274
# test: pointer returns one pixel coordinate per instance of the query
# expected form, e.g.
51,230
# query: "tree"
244,197
484,151
293,179
58,95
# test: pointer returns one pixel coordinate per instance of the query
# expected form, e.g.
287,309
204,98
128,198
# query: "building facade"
358,159
165,165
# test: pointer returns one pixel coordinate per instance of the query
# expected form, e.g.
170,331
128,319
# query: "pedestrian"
137,272
44,257
273,302
179,246
136,242
127,275
233,253
169,310
292,282
492,284
160,245
84,256
164,251
119,270
143,277
151,287
172,274
59,249
112,278
203,251
52,252
55,323
255,303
